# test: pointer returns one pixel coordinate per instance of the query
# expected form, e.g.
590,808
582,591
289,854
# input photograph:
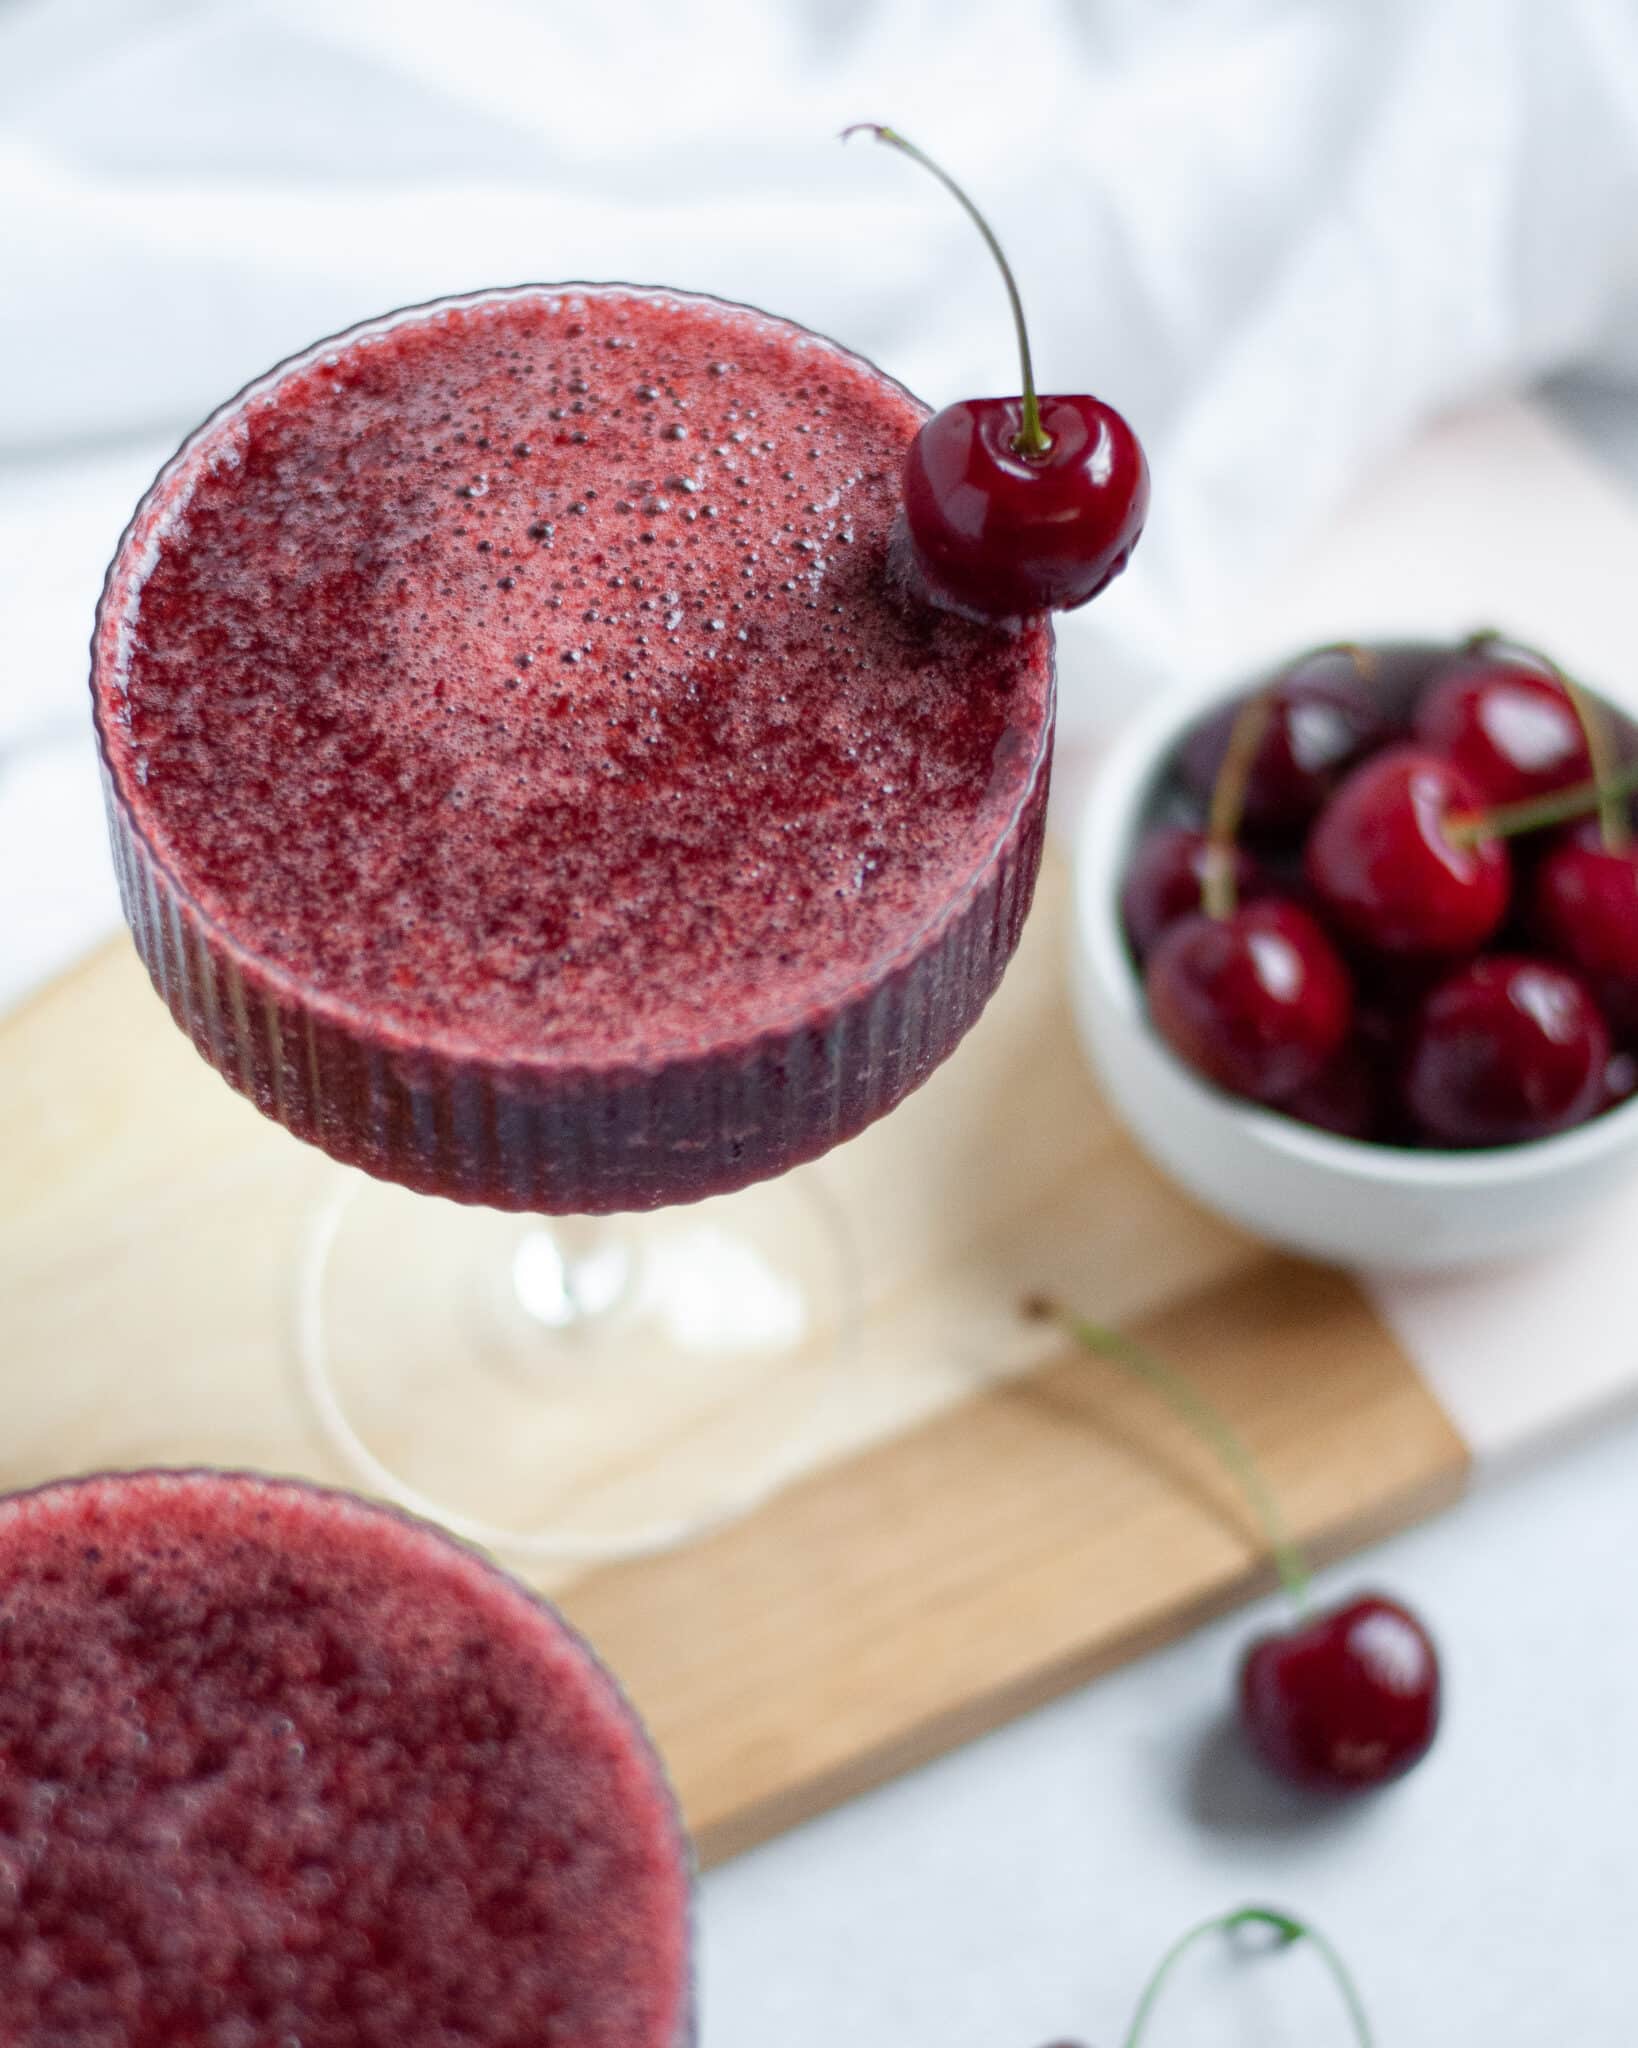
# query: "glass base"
574,1388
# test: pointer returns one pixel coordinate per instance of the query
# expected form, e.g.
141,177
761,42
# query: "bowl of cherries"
1357,948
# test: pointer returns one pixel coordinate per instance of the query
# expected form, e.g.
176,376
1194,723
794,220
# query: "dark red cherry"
1390,865
1344,1098
1258,1001
1620,1079
1505,1049
1164,880
1346,1700
1584,909
1508,723
1018,505
1323,718
1001,533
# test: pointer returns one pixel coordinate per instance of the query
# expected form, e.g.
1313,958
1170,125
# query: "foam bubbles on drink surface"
534,670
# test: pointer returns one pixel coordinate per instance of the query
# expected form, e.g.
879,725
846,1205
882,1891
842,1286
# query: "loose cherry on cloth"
1018,505
1348,1698
1508,1048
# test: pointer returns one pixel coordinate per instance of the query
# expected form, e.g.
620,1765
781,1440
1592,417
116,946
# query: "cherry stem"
1535,813
1032,439
1612,817
1219,895
1287,1930
1208,1424
1218,892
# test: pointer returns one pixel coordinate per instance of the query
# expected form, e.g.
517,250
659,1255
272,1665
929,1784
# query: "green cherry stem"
1612,822
1536,813
1595,727
1218,894
1287,1931
1032,439
1197,1413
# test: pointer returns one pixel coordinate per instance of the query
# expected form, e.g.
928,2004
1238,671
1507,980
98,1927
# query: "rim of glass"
347,1502
593,1666
444,1043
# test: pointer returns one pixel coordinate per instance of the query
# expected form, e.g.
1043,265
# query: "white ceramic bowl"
1327,1197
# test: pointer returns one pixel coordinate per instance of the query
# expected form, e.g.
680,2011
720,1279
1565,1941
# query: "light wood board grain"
986,1521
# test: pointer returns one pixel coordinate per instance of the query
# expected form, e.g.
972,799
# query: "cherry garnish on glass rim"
1018,505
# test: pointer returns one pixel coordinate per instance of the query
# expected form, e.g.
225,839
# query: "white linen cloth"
1279,234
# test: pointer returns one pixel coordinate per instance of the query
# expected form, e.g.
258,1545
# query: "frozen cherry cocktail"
584,749
535,779
277,1766
527,780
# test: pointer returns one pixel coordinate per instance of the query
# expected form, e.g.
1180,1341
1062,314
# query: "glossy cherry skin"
1344,1098
1508,724
1164,880
999,535
1323,718
1509,1047
1620,1080
1346,1700
1584,910
1387,872
1258,1002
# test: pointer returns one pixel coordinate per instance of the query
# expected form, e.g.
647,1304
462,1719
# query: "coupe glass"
572,1311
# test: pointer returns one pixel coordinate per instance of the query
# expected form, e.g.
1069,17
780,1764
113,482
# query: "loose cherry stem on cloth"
1287,1930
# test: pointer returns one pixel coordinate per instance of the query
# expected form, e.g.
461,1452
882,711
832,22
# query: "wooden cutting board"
993,1520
